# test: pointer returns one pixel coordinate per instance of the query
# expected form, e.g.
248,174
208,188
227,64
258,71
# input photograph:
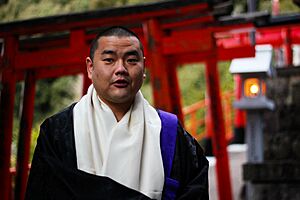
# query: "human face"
117,71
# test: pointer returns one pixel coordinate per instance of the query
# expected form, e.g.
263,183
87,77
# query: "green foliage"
192,83
147,89
266,5
285,6
52,95
34,137
14,146
226,78
17,9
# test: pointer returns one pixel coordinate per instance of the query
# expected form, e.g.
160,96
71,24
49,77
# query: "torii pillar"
218,129
163,91
8,81
287,46
162,73
25,136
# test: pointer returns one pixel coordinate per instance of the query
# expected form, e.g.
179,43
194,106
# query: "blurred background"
55,94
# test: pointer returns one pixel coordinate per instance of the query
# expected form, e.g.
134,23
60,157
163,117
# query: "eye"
108,60
132,61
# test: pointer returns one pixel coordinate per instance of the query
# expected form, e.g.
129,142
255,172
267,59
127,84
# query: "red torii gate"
174,33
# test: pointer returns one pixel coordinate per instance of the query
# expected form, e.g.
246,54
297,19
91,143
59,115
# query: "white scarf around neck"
127,151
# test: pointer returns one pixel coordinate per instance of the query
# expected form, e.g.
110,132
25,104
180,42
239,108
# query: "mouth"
121,83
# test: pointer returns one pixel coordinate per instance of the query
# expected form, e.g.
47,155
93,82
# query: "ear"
89,67
144,74
144,60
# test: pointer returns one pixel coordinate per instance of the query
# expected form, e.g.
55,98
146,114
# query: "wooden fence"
195,117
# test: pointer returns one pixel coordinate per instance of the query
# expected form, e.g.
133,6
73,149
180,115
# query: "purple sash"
167,144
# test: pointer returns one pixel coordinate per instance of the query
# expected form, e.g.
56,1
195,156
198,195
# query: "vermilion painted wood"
273,38
91,19
158,71
206,19
295,35
239,119
222,55
1,62
288,52
172,45
188,42
50,58
6,115
6,128
55,72
208,119
270,35
24,136
218,127
78,40
175,91
235,52
178,43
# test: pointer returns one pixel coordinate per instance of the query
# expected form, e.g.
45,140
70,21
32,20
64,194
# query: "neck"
119,109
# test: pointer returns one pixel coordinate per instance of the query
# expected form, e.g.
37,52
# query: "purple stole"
167,144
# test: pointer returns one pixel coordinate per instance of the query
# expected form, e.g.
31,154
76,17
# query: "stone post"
278,175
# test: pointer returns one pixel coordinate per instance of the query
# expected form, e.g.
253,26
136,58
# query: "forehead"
116,43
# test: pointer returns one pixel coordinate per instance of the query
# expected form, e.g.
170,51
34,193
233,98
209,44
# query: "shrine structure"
173,32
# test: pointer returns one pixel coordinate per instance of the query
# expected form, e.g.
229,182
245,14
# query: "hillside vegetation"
25,9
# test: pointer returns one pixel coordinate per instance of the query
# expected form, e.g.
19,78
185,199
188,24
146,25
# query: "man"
112,144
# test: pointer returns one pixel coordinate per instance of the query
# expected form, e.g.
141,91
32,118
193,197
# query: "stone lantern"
253,72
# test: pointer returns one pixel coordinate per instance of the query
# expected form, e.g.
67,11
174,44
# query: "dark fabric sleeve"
40,177
52,176
190,167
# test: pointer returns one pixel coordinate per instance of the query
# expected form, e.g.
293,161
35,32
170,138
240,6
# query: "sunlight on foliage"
19,10
192,83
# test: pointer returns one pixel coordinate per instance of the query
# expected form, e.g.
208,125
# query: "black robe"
54,173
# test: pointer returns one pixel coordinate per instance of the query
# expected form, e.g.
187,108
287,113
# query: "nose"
121,68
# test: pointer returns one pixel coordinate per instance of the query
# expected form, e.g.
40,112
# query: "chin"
121,99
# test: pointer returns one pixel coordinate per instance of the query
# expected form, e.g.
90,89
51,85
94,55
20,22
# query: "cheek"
100,74
138,76
95,75
99,79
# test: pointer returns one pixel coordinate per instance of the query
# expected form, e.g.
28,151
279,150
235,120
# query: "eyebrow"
132,53
129,53
108,52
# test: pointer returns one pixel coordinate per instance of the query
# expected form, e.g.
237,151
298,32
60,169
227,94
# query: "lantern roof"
261,63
